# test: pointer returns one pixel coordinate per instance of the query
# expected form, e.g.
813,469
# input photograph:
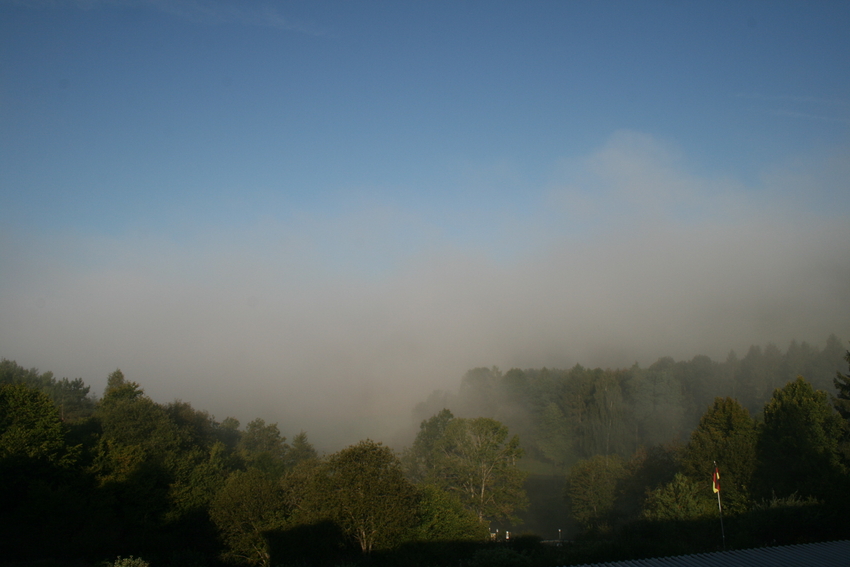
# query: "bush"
127,562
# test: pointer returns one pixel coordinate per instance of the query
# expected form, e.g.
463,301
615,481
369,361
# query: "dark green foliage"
842,384
30,427
12,373
317,544
136,432
44,496
555,437
419,460
798,448
700,379
157,468
646,471
841,402
198,475
263,447
564,415
472,458
228,432
608,422
120,389
250,504
659,403
680,499
792,519
71,397
591,490
579,413
129,476
198,428
300,451
758,374
442,517
591,416
726,435
363,490
475,459
823,365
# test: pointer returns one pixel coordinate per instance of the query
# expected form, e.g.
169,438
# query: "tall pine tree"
842,384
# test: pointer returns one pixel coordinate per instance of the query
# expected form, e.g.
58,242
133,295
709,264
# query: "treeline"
633,450
563,416
91,480
781,477
629,454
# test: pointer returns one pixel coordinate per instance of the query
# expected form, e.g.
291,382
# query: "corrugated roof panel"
824,554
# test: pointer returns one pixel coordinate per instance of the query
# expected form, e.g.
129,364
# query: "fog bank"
338,323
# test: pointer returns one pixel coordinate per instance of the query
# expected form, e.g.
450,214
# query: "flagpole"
715,485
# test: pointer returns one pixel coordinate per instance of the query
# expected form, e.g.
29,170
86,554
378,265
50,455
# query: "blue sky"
354,202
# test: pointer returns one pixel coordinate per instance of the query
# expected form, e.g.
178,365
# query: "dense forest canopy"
563,415
606,449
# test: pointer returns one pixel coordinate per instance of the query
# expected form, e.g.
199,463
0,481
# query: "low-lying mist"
339,324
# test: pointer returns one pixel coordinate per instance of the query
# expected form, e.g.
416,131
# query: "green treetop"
798,449
363,490
477,460
727,435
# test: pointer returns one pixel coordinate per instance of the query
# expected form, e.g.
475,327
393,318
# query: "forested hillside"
620,461
562,416
624,429
86,480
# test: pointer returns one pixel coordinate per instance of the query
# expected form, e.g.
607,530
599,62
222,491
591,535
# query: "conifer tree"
798,448
727,435
842,384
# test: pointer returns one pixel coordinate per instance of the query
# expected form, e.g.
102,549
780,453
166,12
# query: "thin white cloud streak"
809,116
795,98
834,111
259,14
222,12
339,325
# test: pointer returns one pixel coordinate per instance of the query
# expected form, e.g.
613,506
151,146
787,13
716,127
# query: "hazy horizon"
319,213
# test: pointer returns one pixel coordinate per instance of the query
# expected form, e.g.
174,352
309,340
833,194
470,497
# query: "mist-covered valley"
249,250
541,453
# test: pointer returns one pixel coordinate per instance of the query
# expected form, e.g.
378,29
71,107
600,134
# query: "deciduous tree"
555,437
842,404
680,499
477,460
591,489
363,490
442,517
30,426
251,503
263,447
419,459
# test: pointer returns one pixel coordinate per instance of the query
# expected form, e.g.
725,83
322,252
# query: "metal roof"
825,554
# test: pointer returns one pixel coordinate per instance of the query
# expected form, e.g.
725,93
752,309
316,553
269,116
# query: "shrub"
127,562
